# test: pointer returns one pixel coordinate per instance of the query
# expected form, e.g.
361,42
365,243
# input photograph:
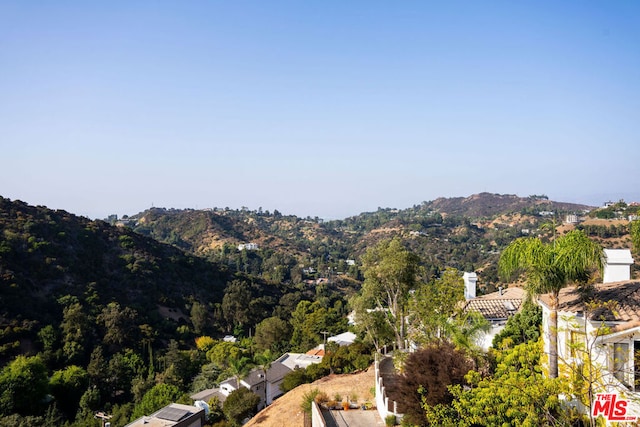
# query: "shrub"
321,397
239,405
390,420
427,375
307,398
293,379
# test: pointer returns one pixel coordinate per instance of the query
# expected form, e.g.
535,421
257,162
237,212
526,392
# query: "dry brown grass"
285,411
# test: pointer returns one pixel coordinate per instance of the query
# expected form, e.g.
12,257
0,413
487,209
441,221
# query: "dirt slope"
286,412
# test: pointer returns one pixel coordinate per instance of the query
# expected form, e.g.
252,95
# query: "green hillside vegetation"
463,233
104,317
105,312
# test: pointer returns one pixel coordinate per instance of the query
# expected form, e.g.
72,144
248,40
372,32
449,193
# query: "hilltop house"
608,335
496,307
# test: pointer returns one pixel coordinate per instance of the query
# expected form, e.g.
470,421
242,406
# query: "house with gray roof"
172,415
266,384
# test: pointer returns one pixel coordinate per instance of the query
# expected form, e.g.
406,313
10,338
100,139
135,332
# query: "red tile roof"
497,305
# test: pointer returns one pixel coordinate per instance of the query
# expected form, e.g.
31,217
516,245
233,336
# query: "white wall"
617,267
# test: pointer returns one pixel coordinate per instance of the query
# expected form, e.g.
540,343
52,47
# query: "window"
575,343
620,362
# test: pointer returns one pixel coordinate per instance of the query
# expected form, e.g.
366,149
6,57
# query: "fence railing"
385,406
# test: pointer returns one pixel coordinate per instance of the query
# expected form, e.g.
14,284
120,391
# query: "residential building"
248,247
298,360
208,394
264,384
497,307
571,219
345,338
275,376
601,324
173,415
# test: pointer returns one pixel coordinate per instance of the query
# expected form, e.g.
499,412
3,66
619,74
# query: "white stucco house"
606,331
497,307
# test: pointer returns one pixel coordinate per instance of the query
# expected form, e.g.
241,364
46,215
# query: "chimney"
617,265
470,280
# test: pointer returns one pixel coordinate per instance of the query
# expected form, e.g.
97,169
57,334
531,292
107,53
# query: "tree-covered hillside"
47,255
464,233
99,314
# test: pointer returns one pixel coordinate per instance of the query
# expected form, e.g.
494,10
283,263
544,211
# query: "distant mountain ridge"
446,231
490,204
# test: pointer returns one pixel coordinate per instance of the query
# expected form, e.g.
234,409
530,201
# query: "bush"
520,328
293,379
345,359
321,397
239,405
307,398
427,375
315,372
390,420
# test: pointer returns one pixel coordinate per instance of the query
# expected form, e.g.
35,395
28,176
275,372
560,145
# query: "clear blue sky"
325,109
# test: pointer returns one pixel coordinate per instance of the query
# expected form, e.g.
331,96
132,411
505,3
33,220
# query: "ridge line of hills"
75,290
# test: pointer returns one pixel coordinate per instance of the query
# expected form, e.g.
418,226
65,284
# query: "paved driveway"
353,418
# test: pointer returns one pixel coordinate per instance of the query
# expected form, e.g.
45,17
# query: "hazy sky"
326,108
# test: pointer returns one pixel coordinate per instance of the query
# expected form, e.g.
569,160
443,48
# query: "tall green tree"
119,324
235,303
239,368
273,334
309,320
76,328
434,304
199,317
549,267
67,386
371,323
390,272
634,231
159,396
223,352
239,405
23,386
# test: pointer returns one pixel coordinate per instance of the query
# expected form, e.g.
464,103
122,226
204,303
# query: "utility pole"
325,333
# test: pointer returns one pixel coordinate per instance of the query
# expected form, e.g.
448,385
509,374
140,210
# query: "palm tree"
264,360
239,368
548,268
